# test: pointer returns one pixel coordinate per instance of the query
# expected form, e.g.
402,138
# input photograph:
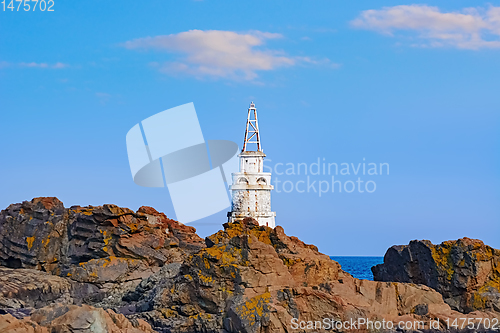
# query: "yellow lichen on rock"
167,313
442,257
30,241
204,278
45,242
207,264
253,309
226,255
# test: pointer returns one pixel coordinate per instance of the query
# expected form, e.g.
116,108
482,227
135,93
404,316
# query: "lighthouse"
251,188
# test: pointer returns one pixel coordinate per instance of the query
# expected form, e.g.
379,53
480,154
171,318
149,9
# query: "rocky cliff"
109,269
466,271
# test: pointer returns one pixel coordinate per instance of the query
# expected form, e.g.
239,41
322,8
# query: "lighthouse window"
242,180
261,180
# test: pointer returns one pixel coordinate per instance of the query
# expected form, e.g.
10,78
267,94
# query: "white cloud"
103,97
470,28
214,53
324,62
33,65
57,65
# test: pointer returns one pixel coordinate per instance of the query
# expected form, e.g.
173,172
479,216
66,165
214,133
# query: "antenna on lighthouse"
252,129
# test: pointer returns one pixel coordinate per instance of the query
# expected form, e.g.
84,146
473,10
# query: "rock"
109,269
59,318
253,279
466,272
28,289
111,247
10,324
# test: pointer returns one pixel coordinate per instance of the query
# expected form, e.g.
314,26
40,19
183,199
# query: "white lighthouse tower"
251,189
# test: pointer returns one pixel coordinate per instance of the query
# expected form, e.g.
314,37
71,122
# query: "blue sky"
411,84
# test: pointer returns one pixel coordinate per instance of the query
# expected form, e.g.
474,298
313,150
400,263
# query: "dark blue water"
359,267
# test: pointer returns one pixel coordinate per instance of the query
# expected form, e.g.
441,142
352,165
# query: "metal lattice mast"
252,129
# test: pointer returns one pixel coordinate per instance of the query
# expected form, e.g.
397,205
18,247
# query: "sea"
359,267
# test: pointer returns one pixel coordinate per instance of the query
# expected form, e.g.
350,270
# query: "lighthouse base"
266,219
